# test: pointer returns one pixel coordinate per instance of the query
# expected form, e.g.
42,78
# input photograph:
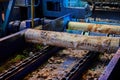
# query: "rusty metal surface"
109,29
109,69
92,43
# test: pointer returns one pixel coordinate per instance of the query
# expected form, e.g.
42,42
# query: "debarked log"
61,39
109,29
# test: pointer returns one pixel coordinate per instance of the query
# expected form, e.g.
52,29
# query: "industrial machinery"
59,8
47,8
79,10
80,40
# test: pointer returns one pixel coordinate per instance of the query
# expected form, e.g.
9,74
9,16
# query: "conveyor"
96,38
19,41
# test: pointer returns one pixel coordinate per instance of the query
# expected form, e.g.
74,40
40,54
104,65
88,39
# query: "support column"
7,15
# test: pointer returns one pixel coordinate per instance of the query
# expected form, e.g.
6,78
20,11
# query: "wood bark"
61,39
109,29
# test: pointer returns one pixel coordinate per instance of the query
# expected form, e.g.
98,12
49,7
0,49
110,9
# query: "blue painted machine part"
7,16
3,6
29,22
58,8
13,27
27,3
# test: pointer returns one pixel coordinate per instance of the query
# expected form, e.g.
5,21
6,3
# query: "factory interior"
59,39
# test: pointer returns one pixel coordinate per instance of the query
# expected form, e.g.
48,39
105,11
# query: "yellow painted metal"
60,39
32,12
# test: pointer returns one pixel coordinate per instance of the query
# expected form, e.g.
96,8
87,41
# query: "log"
60,39
109,29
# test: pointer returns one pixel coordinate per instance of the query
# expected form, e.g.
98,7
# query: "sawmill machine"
98,31
23,10
58,8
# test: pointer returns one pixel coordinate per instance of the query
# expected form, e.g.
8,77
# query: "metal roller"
60,39
109,29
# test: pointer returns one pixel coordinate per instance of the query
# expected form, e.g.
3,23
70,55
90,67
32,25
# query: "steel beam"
92,43
7,16
109,29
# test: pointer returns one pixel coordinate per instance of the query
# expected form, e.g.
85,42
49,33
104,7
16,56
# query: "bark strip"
60,39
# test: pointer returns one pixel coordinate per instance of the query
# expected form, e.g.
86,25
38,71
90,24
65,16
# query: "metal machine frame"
56,8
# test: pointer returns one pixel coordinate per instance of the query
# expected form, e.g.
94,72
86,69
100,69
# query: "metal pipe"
109,29
32,12
60,39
